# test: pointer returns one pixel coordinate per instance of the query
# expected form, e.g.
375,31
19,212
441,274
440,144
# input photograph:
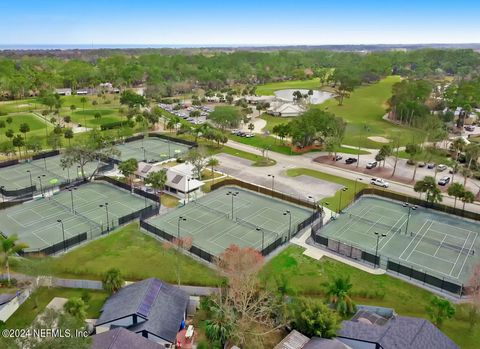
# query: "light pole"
31,181
1,191
63,234
232,194
355,186
144,153
287,212
188,189
180,219
263,237
410,208
376,248
340,201
273,182
41,186
45,162
106,210
71,196
68,174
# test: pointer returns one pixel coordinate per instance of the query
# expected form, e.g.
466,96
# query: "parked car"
372,164
453,170
470,128
234,132
350,161
338,157
441,167
444,180
379,182
249,135
422,164
430,166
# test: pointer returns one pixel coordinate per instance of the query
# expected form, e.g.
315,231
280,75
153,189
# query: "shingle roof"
120,338
321,343
398,333
294,340
166,307
6,297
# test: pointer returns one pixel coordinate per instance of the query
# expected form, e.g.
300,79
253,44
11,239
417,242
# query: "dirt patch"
379,139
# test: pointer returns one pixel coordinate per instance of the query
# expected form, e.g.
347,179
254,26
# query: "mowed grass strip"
137,255
270,88
333,201
306,276
38,300
364,112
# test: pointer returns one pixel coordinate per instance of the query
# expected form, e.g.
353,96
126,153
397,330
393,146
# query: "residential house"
9,303
296,340
121,338
63,91
150,308
381,328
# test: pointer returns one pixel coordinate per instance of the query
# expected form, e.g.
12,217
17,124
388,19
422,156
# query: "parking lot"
188,112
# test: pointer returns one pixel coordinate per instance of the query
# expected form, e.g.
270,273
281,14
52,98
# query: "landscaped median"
334,201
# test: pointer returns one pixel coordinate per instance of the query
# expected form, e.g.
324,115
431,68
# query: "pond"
318,97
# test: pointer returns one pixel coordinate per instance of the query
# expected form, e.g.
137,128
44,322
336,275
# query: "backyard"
306,277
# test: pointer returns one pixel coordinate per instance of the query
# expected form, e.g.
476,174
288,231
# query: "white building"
63,91
285,109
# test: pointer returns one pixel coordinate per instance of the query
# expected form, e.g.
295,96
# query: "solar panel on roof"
150,297
177,179
146,168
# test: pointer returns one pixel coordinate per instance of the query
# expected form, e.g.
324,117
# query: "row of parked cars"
242,134
185,113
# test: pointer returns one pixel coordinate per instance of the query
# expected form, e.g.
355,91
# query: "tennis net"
148,153
42,167
448,245
223,214
87,219
253,226
69,209
389,227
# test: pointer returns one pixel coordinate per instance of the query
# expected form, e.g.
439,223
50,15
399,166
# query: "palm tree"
467,198
112,280
338,293
83,100
76,307
466,173
456,190
428,186
10,247
219,327
472,151
157,180
212,162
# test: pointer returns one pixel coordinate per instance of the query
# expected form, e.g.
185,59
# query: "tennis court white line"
412,240
344,228
468,255
418,242
456,260
439,246
439,258
455,227
392,233
450,235
422,267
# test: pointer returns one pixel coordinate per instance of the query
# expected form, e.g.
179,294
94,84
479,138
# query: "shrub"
117,124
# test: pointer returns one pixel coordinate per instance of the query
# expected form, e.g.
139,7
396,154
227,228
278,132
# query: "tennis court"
46,170
442,245
36,223
210,225
151,149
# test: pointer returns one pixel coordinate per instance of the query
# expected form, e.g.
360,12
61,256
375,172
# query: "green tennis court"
48,169
151,149
210,225
441,245
36,223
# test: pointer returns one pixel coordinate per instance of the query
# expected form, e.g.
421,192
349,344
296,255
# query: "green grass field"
37,302
334,201
364,111
127,250
269,89
306,276
88,115
33,121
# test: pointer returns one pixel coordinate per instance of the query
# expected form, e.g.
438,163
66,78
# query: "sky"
245,22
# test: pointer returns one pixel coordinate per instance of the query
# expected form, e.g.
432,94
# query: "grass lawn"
306,276
169,200
88,115
366,107
257,159
269,89
33,121
333,201
272,121
17,106
37,302
127,249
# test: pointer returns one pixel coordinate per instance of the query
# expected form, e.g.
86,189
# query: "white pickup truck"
380,182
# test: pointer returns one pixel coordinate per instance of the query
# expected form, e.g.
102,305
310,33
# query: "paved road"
306,161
